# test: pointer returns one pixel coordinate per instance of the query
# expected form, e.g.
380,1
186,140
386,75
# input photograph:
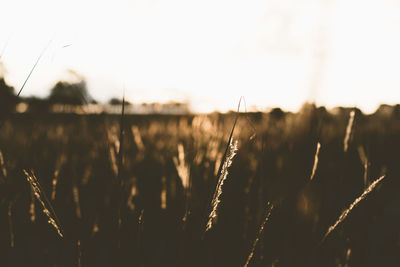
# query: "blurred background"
209,53
86,180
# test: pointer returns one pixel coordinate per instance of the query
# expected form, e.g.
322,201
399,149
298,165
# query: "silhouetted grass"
128,211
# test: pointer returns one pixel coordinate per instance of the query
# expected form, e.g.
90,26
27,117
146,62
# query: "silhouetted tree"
70,93
117,101
8,99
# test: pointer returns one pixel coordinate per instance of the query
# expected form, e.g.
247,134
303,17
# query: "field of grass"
164,193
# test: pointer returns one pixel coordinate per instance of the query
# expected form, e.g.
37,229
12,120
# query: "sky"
275,53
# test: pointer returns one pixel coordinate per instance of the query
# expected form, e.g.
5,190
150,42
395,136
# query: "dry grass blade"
163,193
114,148
260,231
181,167
3,166
86,175
218,190
345,213
79,253
364,161
215,199
314,169
133,192
95,228
348,254
140,219
113,161
60,162
121,140
120,182
183,171
75,194
33,68
366,182
137,137
54,186
41,197
348,130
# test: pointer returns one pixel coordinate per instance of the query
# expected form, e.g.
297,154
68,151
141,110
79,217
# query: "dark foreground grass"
142,215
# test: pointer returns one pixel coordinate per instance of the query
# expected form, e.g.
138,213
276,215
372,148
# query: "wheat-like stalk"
137,137
354,204
78,244
60,162
163,193
183,170
95,228
3,166
260,231
314,169
364,161
86,175
133,192
181,167
348,254
218,190
41,197
113,161
366,182
75,194
348,130
54,186
114,148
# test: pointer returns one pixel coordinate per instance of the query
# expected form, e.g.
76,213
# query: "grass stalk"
214,203
213,216
348,131
259,234
315,165
345,213
44,202
33,68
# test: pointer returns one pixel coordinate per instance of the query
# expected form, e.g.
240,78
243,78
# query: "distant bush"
8,99
117,101
69,93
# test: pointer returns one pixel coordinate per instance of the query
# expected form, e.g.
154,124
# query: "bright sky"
210,52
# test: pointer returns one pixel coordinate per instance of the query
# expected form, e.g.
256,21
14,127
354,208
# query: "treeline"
63,92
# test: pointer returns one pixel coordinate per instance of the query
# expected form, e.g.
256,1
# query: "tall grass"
47,209
3,166
140,187
213,216
346,212
315,165
33,68
270,207
348,131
